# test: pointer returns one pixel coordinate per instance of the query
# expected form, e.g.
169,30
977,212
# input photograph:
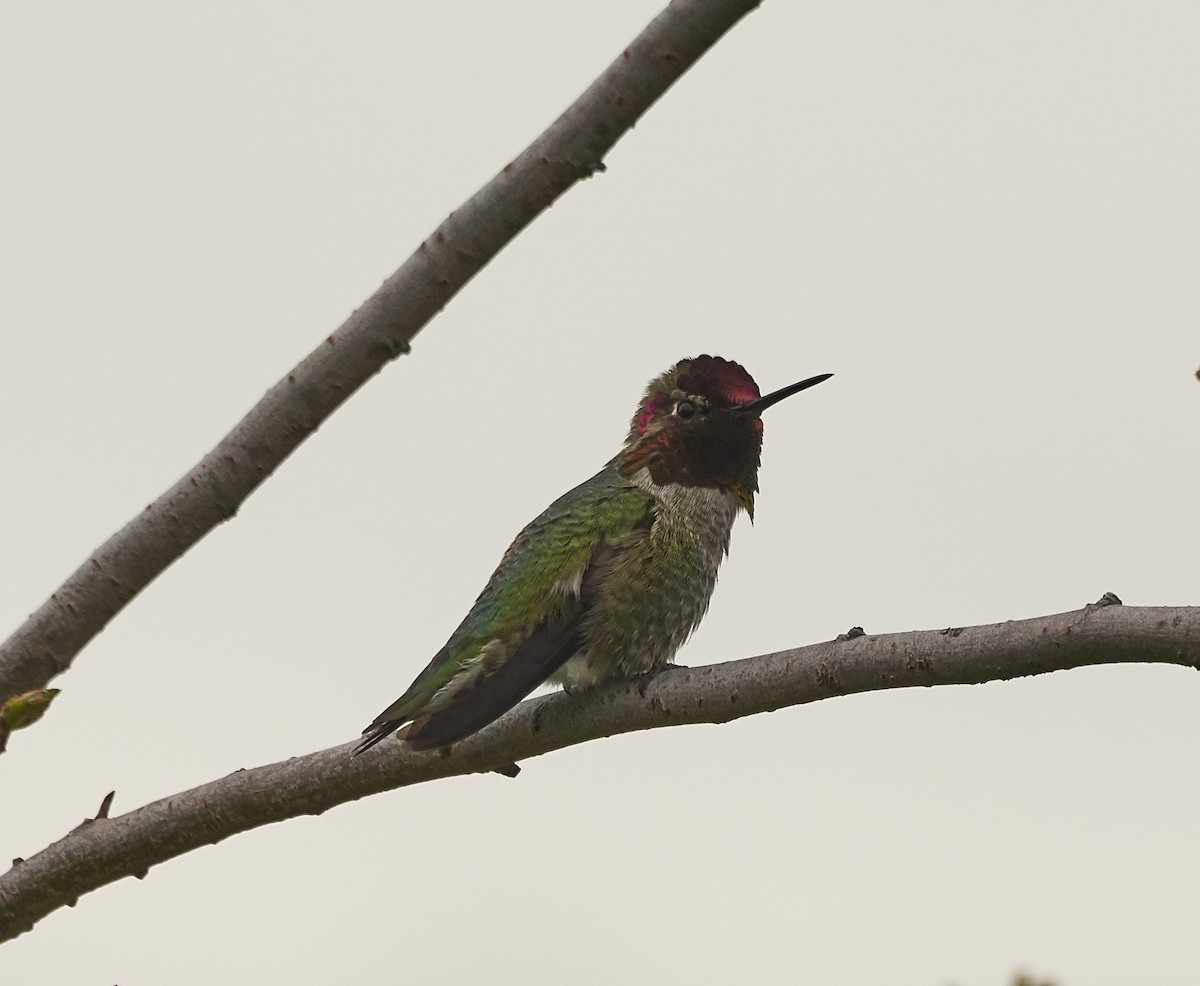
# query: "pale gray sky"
984,218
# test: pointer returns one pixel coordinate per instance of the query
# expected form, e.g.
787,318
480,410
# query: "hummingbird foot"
852,633
646,679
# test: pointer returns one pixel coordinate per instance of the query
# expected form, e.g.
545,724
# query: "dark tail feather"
546,650
375,732
455,723
542,653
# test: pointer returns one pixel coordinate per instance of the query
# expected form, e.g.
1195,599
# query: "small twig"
105,805
101,815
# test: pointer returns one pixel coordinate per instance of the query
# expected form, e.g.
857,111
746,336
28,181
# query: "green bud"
27,708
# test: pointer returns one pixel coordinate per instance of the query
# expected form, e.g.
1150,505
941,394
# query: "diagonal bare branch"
572,148
102,850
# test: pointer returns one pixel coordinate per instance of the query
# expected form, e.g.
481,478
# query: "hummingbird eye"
685,410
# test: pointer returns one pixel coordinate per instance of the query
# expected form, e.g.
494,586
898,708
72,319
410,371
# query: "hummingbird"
614,575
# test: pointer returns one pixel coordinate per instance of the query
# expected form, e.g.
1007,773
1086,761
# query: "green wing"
527,621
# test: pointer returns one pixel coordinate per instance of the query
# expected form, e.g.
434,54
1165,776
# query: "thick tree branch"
103,850
571,149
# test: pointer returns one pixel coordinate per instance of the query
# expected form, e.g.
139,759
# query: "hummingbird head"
699,424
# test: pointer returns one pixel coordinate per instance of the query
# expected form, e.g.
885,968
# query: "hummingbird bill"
612,578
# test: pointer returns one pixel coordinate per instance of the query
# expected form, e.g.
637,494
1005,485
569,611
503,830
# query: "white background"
984,218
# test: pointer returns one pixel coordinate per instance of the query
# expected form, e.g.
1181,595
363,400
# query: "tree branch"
571,149
102,850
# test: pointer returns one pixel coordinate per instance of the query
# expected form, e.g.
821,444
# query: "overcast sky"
984,218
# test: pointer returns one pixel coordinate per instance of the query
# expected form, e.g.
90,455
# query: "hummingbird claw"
653,673
852,633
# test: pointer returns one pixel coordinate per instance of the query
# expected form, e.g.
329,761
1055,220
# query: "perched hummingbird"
612,578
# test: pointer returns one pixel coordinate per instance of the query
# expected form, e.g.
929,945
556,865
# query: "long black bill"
760,405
